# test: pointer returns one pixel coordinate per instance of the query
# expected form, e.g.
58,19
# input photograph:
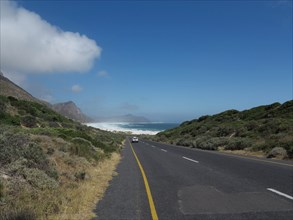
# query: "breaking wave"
133,128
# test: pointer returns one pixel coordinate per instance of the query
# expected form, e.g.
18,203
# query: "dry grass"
74,198
79,202
259,154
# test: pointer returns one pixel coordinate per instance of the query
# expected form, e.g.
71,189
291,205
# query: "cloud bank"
76,88
103,73
30,44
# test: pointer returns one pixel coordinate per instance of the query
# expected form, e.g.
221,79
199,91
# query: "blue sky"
166,60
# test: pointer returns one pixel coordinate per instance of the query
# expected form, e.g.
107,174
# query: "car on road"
134,140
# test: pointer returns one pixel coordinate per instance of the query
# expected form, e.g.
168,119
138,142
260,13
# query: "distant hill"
124,118
70,110
267,128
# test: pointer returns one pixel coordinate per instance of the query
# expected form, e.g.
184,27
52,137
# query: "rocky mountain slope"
8,88
67,109
70,110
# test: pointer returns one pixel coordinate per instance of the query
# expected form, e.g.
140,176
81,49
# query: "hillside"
70,110
8,88
266,129
51,166
67,109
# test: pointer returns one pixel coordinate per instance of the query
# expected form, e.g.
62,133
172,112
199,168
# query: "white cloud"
103,73
30,44
76,88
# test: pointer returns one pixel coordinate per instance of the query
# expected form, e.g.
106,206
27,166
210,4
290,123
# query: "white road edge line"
186,158
280,193
163,150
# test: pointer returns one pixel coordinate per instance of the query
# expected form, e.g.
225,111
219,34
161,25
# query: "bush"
8,119
1,190
278,152
208,143
238,144
184,142
25,214
84,148
17,152
39,179
202,118
2,106
50,151
11,146
53,124
28,121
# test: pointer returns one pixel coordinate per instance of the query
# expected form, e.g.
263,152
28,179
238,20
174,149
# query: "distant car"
134,140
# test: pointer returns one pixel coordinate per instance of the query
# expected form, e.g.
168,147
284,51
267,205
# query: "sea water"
134,128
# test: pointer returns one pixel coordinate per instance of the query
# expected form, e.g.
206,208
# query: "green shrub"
11,146
39,178
184,142
50,151
208,143
238,144
202,118
28,121
17,152
2,106
1,190
53,124
84,148
8,119
22,214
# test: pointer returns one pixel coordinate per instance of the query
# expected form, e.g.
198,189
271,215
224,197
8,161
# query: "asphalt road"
193,184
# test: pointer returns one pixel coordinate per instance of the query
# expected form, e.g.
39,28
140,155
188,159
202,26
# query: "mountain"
70,110
8,88
266,129
124,118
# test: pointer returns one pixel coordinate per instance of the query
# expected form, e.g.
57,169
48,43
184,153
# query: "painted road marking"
230,155
280,193
163,150
147,187
153,146
186,158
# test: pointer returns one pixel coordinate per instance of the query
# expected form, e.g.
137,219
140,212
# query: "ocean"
135,128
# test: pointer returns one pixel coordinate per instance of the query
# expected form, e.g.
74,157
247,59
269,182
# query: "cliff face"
70,110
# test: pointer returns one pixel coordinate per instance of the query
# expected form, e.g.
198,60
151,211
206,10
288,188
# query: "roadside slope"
51,166
267,129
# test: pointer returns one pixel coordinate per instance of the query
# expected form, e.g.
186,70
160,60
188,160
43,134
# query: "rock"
277,152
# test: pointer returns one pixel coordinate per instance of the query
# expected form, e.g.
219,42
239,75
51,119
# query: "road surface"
184,183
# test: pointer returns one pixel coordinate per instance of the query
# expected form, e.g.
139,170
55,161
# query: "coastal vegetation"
265,129
51,167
